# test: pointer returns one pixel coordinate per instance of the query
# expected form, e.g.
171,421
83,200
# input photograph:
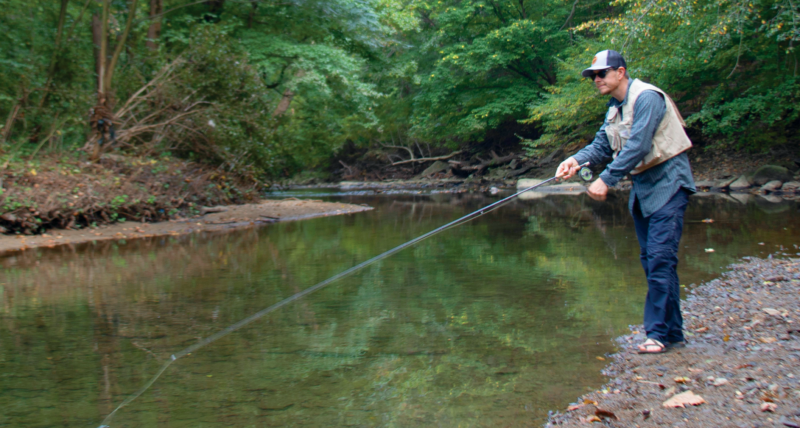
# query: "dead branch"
165,71
389,146
495,161
9,123
427,159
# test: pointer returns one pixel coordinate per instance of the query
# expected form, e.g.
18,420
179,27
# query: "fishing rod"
584,172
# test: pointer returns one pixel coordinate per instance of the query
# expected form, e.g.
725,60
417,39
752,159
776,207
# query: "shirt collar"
613,101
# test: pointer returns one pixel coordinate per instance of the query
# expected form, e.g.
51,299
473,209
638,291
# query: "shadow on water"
489,324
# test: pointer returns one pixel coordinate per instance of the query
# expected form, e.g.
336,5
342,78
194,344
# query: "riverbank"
211,219
742,359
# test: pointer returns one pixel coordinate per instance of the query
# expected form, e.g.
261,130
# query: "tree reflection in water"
491,323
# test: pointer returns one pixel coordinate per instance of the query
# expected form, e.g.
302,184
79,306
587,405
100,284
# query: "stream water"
491,324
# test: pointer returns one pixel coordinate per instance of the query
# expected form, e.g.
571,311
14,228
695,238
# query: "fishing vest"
669,140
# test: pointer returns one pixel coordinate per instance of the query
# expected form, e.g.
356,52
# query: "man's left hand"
598,190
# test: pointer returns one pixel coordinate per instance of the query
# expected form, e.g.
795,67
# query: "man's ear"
624,71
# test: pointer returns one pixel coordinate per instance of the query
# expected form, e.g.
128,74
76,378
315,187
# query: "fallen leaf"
682,379
589,419
726,338
646,413
743,366
771,311
684,399
709,250
768,407
720,381
669,391
768,339
600,358
574,407
701,330
708,220
33,172
590,402
695,370
605,414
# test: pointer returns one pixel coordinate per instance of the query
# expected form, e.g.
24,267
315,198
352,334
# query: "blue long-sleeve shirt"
654,186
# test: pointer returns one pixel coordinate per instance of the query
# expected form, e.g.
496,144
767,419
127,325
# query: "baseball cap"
603,60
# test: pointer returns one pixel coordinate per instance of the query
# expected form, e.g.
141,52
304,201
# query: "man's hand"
567,169
598,190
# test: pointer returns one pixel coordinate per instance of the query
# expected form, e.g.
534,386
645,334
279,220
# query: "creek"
490,324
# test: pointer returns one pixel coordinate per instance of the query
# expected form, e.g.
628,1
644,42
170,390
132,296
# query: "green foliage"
282,86
730,65
487,61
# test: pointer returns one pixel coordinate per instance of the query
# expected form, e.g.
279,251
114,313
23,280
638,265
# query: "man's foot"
652,346
676,345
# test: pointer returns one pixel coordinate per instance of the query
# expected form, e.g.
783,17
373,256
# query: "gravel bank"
215,220
743,359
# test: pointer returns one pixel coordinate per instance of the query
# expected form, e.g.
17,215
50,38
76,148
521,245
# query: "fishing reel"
585,173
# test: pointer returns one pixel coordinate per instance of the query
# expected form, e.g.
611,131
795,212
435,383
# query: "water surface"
490,324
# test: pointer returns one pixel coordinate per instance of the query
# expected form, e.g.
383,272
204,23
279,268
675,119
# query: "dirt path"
743,360
229,217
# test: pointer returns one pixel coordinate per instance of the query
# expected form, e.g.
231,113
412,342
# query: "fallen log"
495,161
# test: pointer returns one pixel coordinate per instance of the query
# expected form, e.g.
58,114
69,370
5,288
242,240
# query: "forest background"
279,88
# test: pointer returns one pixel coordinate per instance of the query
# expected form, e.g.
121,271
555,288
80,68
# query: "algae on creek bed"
491,323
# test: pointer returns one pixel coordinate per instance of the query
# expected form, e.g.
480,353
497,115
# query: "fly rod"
585,173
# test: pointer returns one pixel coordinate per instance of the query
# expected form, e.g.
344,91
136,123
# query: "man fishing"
644,134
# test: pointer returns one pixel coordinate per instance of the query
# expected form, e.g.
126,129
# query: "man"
643,132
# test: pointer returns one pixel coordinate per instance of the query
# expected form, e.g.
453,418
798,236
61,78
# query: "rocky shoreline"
740,368
767,180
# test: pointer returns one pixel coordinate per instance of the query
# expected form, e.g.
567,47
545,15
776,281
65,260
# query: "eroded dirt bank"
228,217
742,360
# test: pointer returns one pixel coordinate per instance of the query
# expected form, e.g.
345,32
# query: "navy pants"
659,235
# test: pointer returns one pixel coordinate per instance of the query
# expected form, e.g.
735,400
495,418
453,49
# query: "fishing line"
174,357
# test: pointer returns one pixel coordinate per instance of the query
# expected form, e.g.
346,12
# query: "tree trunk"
51,70
154,32
100,39
109,74
252,15
215,8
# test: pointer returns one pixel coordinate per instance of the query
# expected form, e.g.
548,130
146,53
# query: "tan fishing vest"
669,140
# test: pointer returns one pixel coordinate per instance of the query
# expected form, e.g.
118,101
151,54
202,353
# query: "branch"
427,18
521,73
633,27
411,152
739,55
485,164
571,14
120,45
166,70
77,21
427,159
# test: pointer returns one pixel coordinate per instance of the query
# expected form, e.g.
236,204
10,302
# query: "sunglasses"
601,74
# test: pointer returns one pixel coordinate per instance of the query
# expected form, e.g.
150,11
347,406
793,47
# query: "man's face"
608,84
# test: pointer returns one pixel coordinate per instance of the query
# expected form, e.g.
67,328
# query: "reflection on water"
489,324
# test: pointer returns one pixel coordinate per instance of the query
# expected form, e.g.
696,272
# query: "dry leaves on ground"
684,399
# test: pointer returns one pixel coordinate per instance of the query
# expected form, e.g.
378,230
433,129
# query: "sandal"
652,346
